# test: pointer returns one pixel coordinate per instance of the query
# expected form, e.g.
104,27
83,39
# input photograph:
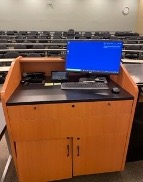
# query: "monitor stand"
94,79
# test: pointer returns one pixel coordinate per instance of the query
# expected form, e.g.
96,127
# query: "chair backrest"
43,41
3,41
114,38
19,37
133,47
33,39
2,32
71,30
140,57
33,55
10,32
12,54
131,42
5,37
120,34
38,46
82,37
28,46
3,46
23,32
96,37
106,35
20,46
54,52
132,55
57,33
33,33
133,38
88,35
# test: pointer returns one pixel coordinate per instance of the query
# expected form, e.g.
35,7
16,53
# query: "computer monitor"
94,56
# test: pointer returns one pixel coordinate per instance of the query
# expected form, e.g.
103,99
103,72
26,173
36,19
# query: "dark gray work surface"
39,94
136,71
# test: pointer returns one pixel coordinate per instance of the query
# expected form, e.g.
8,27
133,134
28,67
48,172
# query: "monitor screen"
94,56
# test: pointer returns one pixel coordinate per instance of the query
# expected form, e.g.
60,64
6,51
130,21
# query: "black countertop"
40,94
136,72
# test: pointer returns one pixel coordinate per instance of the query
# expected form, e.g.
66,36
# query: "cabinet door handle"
78,150
68,150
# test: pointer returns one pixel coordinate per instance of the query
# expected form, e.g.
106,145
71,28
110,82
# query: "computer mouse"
115,90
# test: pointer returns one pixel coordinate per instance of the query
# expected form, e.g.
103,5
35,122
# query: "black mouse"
115,90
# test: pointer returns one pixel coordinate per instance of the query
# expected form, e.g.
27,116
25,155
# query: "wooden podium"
58,134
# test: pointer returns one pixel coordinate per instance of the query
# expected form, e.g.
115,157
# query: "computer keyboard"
84,85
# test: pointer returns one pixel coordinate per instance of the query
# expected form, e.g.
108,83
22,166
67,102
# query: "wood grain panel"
125,81
52,111
102,153
69,127
45,65
42,161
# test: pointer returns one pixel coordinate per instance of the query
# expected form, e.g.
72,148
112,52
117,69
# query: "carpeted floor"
133,171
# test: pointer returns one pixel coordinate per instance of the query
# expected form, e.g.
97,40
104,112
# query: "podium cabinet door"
44,160
97,154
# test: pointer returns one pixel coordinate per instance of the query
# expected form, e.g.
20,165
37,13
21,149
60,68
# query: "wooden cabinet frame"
18,140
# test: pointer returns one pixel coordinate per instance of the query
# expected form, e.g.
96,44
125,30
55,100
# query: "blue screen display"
94,56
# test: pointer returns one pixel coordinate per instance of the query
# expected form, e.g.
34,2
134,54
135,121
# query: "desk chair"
97,33
33,33
44,36
1,56
71,31
114,38
57,33
23,32
3,46
131,42
47,34
132,34
131,55
21,46
5,37
70,34
39,46
2,32
140,38
56,37
12,54
77,36
43,40
140,57
10,32
120,34
82,37
133,38
64,34
33,55
133,47
54,52
17,34
19,39
106,35
32,38
87,35
96,37
3,41
28,46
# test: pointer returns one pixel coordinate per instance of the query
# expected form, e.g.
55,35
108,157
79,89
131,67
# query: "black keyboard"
84,85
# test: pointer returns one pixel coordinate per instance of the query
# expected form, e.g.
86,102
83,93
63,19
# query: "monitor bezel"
94,72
